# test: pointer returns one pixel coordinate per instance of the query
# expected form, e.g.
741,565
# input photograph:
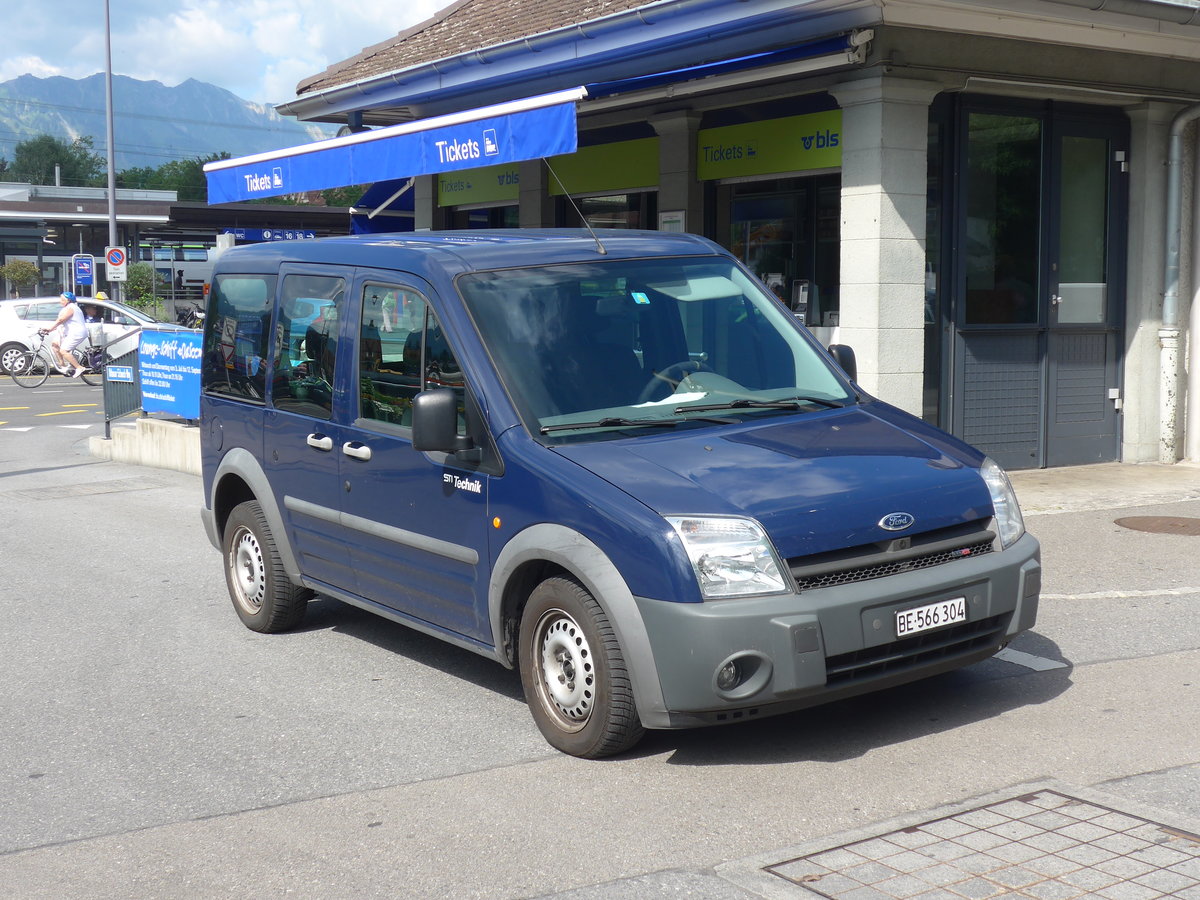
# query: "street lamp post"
112,149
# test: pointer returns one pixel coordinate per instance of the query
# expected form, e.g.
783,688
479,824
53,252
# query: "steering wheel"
670,376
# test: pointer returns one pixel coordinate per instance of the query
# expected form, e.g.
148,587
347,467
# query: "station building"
992,201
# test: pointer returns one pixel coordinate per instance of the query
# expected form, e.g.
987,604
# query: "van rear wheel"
263,597
574,674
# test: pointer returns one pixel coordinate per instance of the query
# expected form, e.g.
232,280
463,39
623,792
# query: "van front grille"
893,557
914,652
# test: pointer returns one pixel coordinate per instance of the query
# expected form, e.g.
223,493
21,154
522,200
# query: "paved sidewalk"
1106,486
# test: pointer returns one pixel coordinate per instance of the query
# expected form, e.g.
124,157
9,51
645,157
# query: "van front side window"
306,344
402,351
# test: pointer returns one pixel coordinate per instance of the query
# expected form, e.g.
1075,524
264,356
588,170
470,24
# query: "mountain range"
152,123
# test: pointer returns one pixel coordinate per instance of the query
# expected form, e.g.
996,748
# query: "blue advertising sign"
508,132
170,370
84,266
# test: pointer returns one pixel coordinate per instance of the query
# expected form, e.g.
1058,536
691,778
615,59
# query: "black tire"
263,597
9,354
574,674
31,371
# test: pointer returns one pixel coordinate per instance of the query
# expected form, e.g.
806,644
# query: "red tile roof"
461,27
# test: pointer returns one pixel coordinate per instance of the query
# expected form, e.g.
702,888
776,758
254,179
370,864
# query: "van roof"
472,250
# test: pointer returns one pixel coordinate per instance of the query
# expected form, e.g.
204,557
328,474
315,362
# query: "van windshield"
592,350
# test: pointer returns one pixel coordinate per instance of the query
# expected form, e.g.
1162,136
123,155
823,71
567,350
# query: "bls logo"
821,140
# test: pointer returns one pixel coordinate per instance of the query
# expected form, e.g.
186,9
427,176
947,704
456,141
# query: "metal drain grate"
1161,524
1041,845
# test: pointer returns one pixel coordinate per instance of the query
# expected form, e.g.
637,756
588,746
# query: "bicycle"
33,367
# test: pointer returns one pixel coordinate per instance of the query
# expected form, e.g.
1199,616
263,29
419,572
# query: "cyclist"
68,332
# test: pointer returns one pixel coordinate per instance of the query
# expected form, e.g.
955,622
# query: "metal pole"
112,148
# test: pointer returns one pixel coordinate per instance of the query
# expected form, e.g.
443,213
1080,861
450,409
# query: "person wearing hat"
68,332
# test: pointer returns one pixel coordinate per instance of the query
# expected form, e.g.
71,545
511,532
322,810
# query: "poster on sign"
170,370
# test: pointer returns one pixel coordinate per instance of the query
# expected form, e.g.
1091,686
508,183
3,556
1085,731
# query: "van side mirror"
435,422
843,355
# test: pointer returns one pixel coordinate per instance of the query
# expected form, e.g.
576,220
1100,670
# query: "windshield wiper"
610,422
747,403
622,422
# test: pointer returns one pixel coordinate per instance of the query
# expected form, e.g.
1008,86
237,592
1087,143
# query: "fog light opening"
741,675
729,676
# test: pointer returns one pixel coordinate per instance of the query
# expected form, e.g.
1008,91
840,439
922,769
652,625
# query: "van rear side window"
235,351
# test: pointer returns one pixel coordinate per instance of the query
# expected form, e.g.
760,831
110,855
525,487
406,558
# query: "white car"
108,320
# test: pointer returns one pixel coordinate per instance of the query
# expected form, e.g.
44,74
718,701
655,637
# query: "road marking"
73,405
24,428
85,425
11,408
1029,661
1125,595
65,412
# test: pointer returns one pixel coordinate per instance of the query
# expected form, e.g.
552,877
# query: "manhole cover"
1161,524
1042,845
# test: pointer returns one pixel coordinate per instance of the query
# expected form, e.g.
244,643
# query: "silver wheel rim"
11,359
247,571
567,672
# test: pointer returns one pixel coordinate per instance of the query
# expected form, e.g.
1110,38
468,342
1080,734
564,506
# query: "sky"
258,49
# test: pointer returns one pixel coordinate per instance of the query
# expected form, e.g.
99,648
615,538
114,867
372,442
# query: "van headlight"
731,557
1004,502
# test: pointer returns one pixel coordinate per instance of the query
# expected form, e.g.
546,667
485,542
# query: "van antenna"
562,187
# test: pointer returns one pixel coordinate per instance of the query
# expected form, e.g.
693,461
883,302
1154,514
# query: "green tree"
34,161
139,285
20,273
343,196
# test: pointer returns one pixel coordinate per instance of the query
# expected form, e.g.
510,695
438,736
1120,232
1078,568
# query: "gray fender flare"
596,572
242,463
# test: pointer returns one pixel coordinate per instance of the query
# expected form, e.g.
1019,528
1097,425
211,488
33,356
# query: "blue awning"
530,128
385,206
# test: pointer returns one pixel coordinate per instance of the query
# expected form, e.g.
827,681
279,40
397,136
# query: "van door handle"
357,450
320,441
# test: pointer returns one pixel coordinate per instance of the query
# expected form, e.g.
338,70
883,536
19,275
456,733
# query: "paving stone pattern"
1045,845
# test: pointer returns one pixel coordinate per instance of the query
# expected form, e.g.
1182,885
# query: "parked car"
613,461
109,321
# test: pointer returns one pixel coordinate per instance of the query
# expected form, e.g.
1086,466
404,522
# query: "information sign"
83,266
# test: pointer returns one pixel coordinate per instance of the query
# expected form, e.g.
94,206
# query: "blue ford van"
615,462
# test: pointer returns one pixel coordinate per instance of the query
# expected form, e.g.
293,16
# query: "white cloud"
259,49
12,66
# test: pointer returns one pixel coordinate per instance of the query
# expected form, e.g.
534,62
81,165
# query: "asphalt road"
153,747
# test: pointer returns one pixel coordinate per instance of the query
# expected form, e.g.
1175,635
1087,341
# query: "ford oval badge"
897,521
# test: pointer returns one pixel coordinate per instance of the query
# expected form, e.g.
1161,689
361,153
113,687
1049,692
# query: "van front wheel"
573,673
264,598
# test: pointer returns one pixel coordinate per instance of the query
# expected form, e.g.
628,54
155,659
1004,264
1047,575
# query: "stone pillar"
678,187
885,124
1150,125
536,209
427,215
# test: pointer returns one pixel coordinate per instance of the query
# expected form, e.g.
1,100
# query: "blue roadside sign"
84,267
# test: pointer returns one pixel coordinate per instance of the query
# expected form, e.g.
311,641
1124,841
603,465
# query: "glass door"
1038,301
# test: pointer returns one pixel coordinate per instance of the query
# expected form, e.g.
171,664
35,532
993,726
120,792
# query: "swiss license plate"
934,615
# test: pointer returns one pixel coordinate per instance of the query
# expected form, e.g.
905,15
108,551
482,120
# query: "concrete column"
427,215
885,124
678,187
1150,125
536,209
